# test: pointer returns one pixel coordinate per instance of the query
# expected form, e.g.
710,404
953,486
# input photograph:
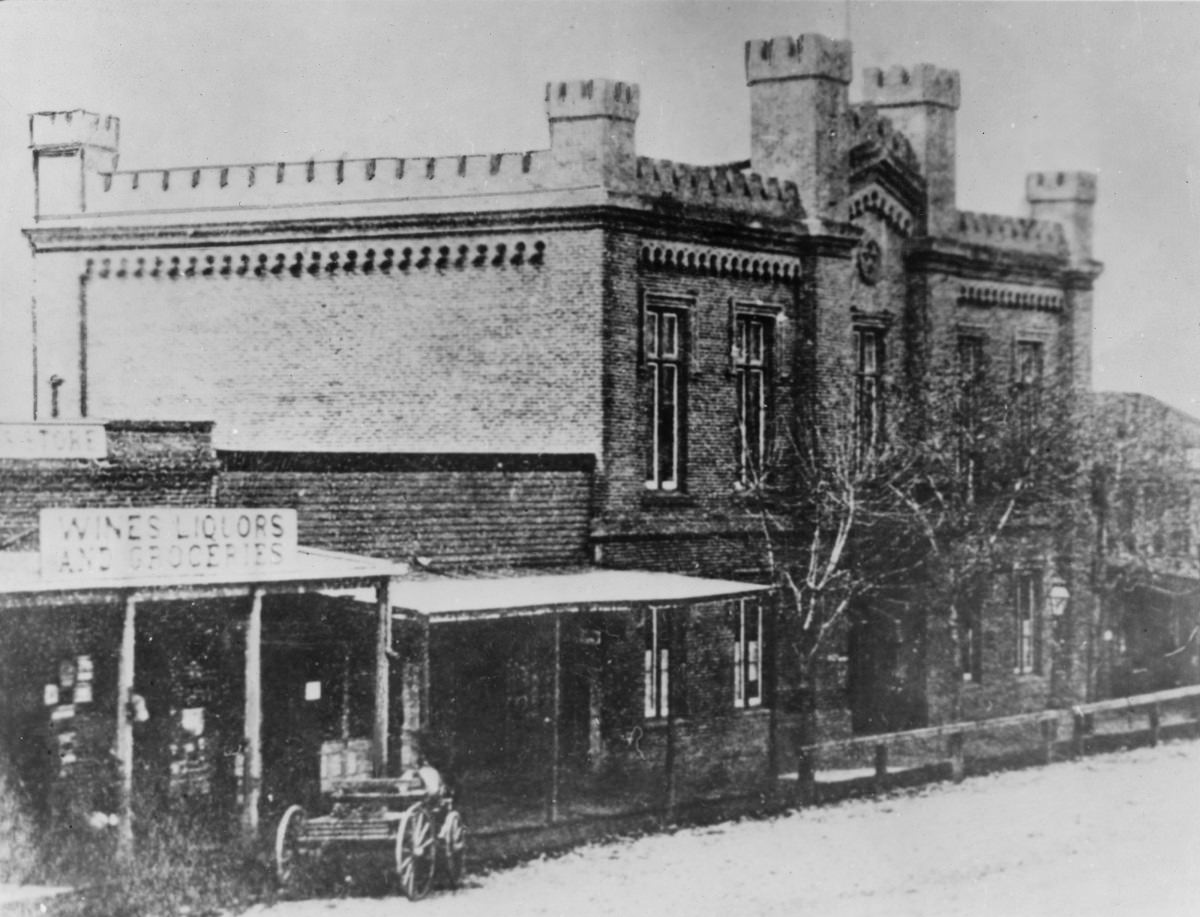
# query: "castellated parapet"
1068,198
63,129
806,56
592,99
1060,186
923,84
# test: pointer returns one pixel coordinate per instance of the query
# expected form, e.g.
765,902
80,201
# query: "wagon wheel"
287,844
416,853
452,847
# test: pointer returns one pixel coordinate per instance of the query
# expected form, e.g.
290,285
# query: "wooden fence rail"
1081,719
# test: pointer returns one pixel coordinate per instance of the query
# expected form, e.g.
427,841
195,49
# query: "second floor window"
751,356
748,654
1028,608
664,335
1028,372
868,391
970,396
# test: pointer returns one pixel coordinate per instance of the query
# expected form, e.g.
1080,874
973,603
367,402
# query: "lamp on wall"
1057,597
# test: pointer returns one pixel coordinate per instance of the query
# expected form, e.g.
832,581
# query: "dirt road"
1112,835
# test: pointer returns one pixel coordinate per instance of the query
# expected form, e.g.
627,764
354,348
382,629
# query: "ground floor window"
747,654
1028,622
657,665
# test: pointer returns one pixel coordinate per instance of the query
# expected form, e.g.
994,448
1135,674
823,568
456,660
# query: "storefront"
167,660
579,692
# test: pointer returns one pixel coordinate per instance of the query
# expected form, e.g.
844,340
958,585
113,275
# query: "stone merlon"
806,56
1060,186
923,84
62,129
592,99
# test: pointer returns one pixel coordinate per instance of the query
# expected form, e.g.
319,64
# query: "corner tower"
798,102
66,146
921,103
592,126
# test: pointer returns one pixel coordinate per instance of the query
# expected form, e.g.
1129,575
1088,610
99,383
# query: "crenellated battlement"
57,129
874,137
806,56
924,84
1060,186
1018,233
723,188
313,182
596,98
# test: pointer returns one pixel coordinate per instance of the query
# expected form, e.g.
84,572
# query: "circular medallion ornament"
870,261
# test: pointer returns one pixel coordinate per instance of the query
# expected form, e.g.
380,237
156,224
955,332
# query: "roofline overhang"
631,213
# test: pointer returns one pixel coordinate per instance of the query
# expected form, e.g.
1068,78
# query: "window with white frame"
1028,620
748,654
970,637
1029,373
752,336
664,334
970,392
868,390
656,666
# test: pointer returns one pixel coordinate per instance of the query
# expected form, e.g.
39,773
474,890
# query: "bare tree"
867,521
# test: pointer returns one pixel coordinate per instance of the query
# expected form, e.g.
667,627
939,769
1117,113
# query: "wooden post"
555,715
383,645
1078,734
956,741
1049,733
414,692
671,790
881,767
806,777
1155,723
124,738
252,720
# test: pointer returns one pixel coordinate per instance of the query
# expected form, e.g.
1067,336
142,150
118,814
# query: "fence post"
1049,730
806,777
955,742
1155,722
1078,734
881,767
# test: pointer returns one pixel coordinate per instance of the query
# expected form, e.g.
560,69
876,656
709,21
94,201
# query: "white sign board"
53,440
165,541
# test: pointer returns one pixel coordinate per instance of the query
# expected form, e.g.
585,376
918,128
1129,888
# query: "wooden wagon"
410,818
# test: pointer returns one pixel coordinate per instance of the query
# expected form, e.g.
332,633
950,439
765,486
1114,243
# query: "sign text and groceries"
166,541
53,440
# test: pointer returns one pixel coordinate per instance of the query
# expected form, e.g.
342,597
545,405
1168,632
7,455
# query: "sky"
1112,88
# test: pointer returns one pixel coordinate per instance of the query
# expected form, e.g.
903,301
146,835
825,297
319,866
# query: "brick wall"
148,464
452,510
435,353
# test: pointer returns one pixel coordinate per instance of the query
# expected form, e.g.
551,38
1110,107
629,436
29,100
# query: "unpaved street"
1111,835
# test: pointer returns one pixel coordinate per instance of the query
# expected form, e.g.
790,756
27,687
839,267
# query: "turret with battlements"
1067,198
921,102
67,145
798,98
592,127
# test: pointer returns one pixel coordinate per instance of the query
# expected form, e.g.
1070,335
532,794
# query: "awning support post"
383,645
124,737
252,720
414,692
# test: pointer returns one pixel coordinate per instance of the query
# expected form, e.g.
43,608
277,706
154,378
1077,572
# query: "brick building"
1146,476
535,367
